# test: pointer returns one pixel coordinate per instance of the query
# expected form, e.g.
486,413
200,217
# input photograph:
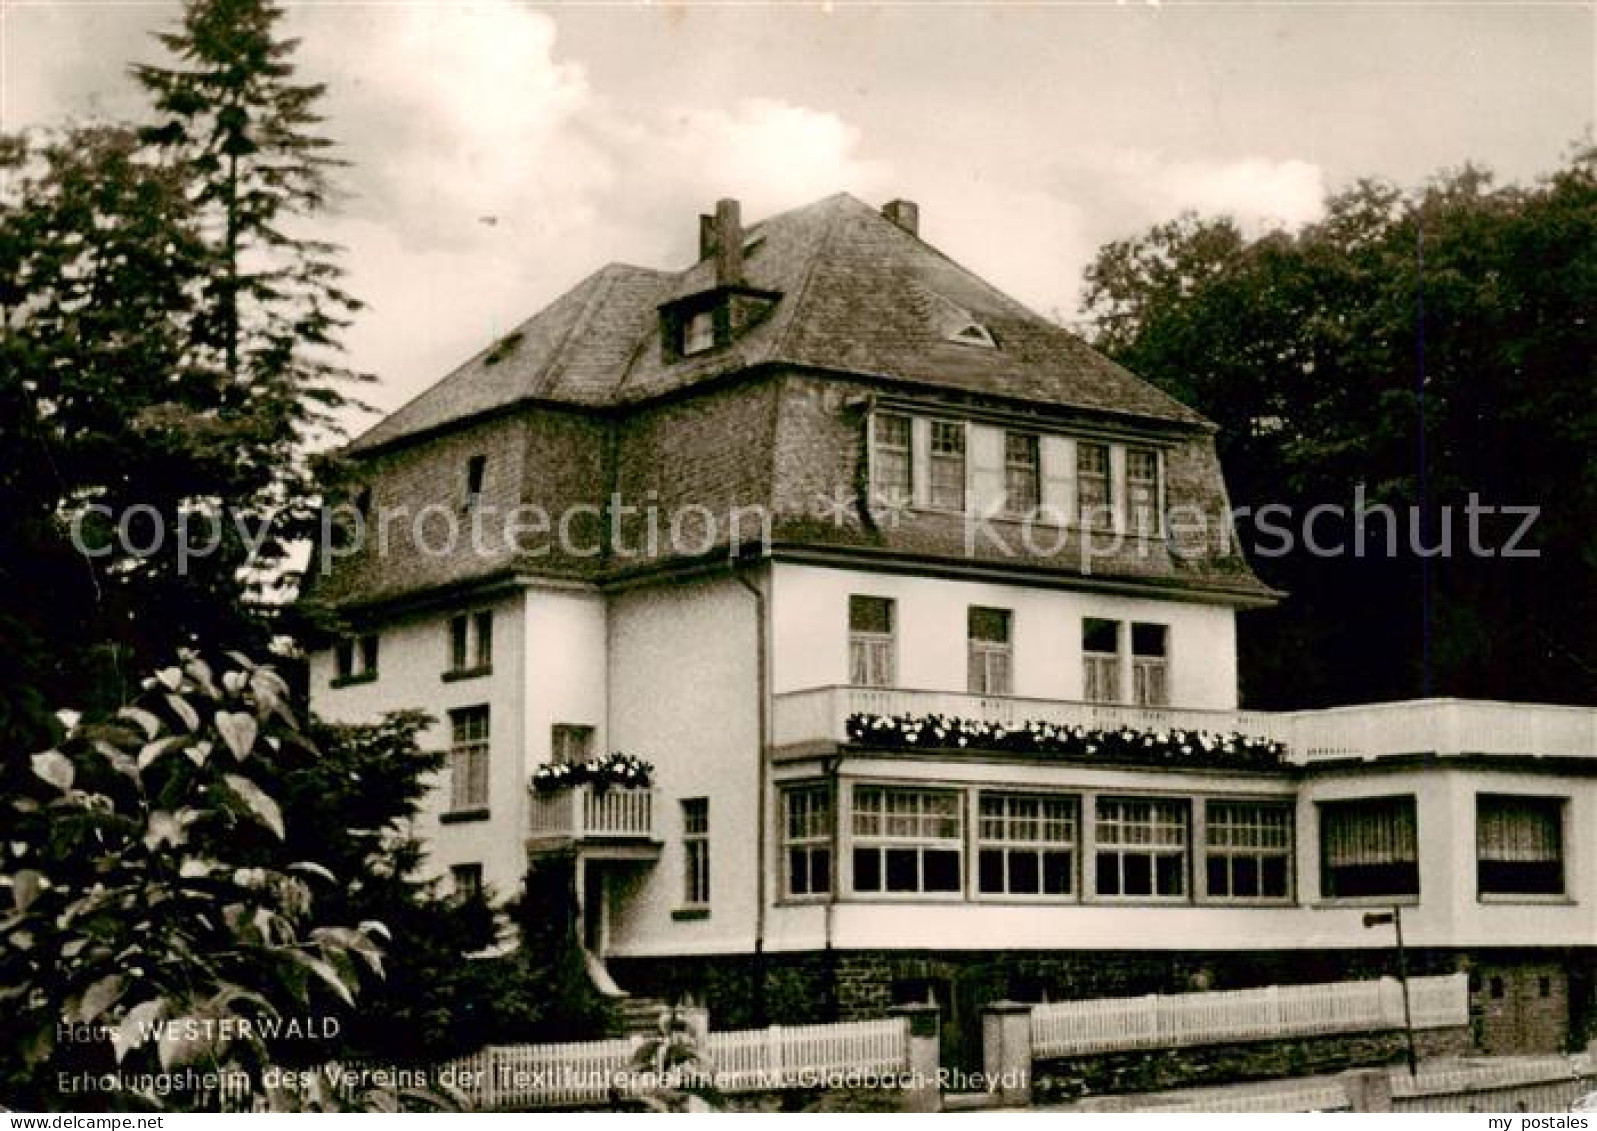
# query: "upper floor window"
1248,850
698,334
946,465
476,476
1519,845
1100,657
466,880
907,840
1369,847
1026,844
570,744
807,840
991,658
696,851
1022,471
1140,848
892,474
1150,665
870,641
1142,491
468,759
1093,489
471,643
355,659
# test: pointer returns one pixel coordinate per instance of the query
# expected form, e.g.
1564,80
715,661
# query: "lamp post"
1395,917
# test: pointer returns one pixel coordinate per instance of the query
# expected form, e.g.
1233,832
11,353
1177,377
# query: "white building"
824,477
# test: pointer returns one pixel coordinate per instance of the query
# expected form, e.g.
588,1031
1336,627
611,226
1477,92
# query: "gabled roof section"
859,294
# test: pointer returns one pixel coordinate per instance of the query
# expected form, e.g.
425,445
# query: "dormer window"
698,334
974,334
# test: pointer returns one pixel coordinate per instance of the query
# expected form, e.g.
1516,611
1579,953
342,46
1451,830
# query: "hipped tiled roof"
858,294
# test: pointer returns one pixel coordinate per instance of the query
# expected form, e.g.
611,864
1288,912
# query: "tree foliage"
1421,347
168,358
157,924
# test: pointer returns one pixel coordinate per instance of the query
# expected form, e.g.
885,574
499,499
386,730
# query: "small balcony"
818,717
616,821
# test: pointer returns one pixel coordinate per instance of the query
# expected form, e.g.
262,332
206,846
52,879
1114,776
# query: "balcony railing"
1424,726
584,813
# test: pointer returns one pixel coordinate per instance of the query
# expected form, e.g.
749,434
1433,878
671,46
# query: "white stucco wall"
810,634
413,654
684,695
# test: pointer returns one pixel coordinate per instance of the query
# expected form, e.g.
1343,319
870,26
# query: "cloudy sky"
502,151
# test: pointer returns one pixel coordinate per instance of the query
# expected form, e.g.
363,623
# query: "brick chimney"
904,213
721,235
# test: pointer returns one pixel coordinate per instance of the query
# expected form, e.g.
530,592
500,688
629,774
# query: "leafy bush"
156,931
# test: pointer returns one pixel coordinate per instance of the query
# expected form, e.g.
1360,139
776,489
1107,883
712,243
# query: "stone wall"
1144,1071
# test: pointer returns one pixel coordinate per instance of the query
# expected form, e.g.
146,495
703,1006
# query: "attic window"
699,333
503,348
974,334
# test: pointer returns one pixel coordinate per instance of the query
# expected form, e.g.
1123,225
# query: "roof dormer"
710,319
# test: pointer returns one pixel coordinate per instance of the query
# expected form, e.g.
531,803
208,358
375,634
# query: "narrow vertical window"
892,477
483,626
1100,658
870,641
355,659
946,466
990,667
1150,665
459,643
696,851
471,643
807,840
476,473
1142,491
468,759
1093,494
1022,487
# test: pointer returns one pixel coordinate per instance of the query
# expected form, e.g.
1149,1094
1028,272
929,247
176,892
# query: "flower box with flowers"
1124,746
612,771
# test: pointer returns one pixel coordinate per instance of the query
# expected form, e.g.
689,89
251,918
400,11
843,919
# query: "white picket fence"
1072,1028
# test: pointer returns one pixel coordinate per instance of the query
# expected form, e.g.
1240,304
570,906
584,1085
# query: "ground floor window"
807,840
1519,845
1140,847
1027,844
695,851
907,840
1369,847
1248,850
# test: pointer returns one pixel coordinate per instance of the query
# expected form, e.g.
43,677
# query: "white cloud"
489,176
